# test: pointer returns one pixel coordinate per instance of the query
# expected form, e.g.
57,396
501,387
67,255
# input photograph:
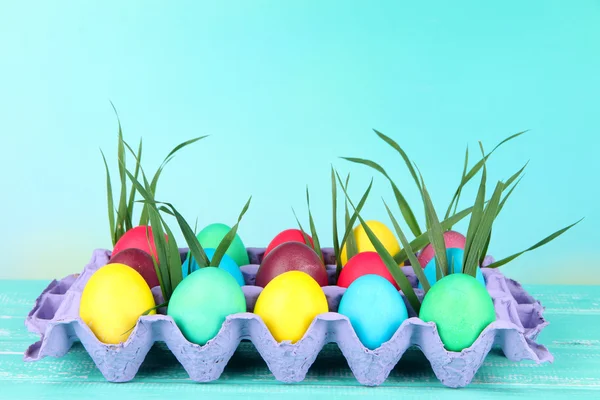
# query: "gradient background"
285,88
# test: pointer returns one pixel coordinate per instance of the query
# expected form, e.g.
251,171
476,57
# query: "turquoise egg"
375,309
226,264
200,303
455,264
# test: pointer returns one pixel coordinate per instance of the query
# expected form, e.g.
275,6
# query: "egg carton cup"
55,317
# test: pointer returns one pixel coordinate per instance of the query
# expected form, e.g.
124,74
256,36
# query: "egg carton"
55,317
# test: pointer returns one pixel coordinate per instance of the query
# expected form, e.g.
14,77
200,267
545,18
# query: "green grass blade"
348,239
123,222
476,215
313,229
110,202
161,250
389,262
459,190
414,262
228,238
475,169
403,205
508,195
485,248
423,240
135,174
336,241
304,235
482,233
395,145
541,243
435,233
173,258
190,238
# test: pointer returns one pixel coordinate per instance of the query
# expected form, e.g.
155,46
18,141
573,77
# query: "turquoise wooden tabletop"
573,337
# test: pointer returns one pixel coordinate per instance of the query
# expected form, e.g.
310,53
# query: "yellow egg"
289,303
383,233
113,299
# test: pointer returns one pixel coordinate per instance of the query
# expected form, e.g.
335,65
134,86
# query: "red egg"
140,261
453,240
291,256
139,237
365,263
289,235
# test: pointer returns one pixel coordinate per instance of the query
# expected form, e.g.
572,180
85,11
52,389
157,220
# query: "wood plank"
192,391
574,367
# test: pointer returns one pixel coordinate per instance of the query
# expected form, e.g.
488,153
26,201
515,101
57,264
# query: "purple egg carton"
55,317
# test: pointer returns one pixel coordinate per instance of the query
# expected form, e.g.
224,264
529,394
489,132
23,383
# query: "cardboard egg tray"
55,317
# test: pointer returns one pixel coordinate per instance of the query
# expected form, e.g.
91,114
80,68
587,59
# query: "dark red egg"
365,263
452,239
291,256
140,261
139,237
289,235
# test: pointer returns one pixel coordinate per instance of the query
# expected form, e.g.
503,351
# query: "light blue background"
285,88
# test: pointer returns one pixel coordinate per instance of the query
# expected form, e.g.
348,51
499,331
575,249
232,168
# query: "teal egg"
375,309
202,301
210,237
455,263
461,309
226,263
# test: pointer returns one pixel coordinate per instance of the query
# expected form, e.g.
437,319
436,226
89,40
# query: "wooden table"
573,337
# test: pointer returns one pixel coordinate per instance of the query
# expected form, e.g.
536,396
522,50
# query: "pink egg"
452,239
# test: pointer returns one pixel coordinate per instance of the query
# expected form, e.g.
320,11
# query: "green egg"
211,236
202,301
461,309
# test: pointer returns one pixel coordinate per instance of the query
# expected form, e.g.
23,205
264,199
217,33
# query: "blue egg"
455,263
375,309
226,263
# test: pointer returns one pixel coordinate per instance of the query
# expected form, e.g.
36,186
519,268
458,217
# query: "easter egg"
368,262
289,235
202,301
455,266
139,237
140,261
226,263
461,309
289,304
452,240
363,243
291,256
113,299
375,309
210,237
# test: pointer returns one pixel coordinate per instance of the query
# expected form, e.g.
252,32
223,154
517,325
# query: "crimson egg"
139,237
452,239
291,256
140,261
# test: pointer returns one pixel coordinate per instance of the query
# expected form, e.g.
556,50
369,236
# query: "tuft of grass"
120,216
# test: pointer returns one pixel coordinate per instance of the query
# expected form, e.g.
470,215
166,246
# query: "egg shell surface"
202,301
363,243
289,235
140,261
226,263
213,234
289,304
461,309
375,309
368,262
291,256
455,264
140,237
113,300
452,239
